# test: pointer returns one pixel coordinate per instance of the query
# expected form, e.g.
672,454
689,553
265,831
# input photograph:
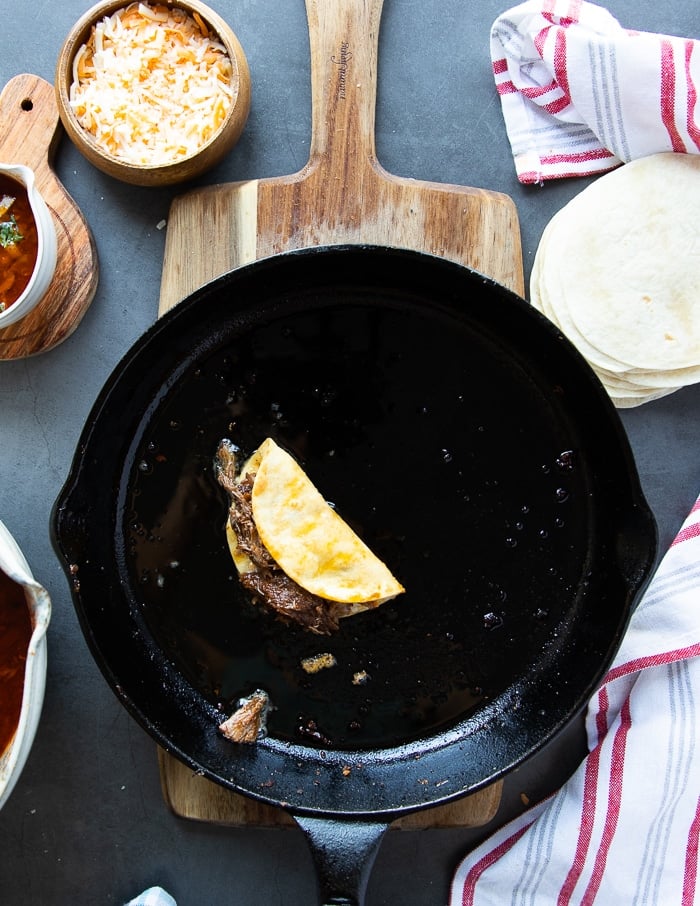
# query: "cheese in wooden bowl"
153,93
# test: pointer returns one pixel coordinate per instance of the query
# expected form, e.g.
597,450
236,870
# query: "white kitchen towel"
580,93
624,829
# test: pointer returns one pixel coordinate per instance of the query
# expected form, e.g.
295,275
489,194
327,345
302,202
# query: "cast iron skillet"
467,442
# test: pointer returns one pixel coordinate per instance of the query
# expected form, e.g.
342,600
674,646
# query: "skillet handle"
344,852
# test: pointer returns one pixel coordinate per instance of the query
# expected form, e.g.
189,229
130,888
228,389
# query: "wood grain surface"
29,133
342,195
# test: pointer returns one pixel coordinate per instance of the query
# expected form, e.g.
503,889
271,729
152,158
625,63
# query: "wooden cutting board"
29,133
342,195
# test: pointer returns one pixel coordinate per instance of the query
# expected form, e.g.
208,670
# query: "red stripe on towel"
540,40
583,157
573,13
539,90
668,96
493,856
685,534
506,88
690,875
653,660
561,75
614,804
590,784
693,128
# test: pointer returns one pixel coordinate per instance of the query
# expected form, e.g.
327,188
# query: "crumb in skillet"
248,723
318,662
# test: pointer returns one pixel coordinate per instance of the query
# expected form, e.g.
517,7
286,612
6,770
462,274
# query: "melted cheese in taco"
291,548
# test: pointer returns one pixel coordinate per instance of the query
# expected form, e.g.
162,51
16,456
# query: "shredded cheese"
151,85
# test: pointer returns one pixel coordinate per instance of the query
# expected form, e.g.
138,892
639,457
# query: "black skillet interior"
462,437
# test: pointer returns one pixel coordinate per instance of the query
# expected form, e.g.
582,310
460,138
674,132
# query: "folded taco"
291,548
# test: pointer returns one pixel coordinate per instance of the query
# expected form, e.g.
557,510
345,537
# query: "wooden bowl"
183,168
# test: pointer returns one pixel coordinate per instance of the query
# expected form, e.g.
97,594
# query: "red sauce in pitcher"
15,634
19,240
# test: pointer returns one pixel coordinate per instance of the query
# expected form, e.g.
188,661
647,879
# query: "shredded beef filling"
267,581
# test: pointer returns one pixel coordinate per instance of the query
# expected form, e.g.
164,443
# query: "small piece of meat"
226,464
267,581
247,723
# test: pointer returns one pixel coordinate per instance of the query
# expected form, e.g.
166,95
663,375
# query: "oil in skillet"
365,433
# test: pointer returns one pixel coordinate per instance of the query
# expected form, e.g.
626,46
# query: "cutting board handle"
29,134
29,124
344,38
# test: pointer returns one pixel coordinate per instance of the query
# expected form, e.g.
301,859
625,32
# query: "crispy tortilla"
307,538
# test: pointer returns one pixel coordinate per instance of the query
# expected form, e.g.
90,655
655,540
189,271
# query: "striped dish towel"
580,94
624,829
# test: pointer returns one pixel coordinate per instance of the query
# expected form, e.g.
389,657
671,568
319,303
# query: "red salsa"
15,634
18,240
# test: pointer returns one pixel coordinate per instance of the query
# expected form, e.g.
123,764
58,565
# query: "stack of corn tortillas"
618,271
